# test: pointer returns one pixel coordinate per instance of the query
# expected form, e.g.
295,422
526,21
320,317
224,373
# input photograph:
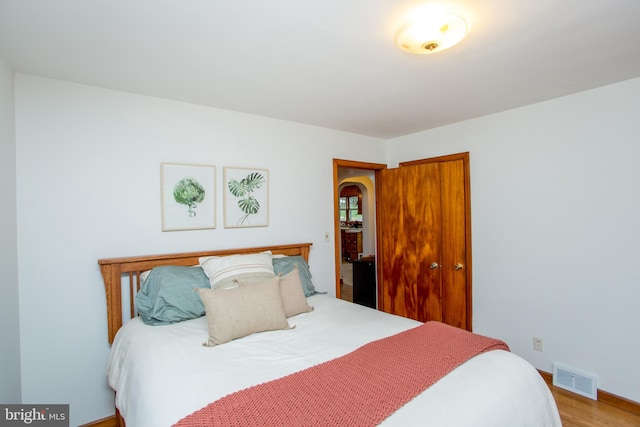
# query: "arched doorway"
361,174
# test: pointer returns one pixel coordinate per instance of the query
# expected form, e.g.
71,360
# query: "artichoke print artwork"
188,196
244,189
189,192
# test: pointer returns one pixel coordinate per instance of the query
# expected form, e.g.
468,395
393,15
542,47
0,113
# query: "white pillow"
144,275
222,271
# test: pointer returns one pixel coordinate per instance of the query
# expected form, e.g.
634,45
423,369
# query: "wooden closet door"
455,292
423,223
410,236
397,285
423,210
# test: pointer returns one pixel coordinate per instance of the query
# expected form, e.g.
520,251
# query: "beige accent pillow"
239,311
222,271
293,299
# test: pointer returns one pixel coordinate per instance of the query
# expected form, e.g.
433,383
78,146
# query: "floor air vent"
575,380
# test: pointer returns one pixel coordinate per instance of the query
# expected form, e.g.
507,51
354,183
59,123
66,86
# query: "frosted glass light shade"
430,30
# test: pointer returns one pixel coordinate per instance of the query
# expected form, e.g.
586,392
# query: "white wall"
88,183
555,221
9,317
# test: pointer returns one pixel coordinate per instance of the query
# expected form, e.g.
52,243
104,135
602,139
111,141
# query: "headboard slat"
131,295
113,269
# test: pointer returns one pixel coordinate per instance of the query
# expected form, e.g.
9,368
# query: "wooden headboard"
115,269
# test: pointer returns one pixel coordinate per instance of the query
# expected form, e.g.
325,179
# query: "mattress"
163,373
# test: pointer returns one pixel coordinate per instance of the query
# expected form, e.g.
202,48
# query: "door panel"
422,210
409,220
394,285
453,235
423,219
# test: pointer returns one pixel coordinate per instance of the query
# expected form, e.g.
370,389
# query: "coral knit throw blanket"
384,375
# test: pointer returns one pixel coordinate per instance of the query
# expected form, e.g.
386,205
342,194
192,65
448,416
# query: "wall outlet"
326,236
537,343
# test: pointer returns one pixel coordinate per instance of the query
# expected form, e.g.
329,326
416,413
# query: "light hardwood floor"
346,293
346,275
578,411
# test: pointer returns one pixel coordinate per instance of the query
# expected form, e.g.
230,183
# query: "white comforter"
163,373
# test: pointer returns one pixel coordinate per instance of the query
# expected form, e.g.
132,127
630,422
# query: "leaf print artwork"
189,192
244,189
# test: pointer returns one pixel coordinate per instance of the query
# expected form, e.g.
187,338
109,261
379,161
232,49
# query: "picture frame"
246,197
188,196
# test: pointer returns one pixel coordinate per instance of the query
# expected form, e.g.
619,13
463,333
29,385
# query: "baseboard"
111,421
604,397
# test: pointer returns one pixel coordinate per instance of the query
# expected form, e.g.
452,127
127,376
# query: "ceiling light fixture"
431,28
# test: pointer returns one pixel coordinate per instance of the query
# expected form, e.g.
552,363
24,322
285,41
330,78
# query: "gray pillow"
285,264
168,295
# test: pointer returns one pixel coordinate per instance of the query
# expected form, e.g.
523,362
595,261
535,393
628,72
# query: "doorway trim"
341,163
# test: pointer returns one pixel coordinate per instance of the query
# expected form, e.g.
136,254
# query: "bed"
165,374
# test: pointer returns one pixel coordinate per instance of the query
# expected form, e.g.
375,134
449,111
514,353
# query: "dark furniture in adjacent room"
364,282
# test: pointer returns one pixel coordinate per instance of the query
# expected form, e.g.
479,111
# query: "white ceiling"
329,63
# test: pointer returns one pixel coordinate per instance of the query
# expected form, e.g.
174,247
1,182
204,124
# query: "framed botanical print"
188,196
246,197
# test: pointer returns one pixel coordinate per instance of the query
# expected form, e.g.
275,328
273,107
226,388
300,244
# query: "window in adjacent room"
350,204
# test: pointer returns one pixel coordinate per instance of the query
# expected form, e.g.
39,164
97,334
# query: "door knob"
433,265
458,266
